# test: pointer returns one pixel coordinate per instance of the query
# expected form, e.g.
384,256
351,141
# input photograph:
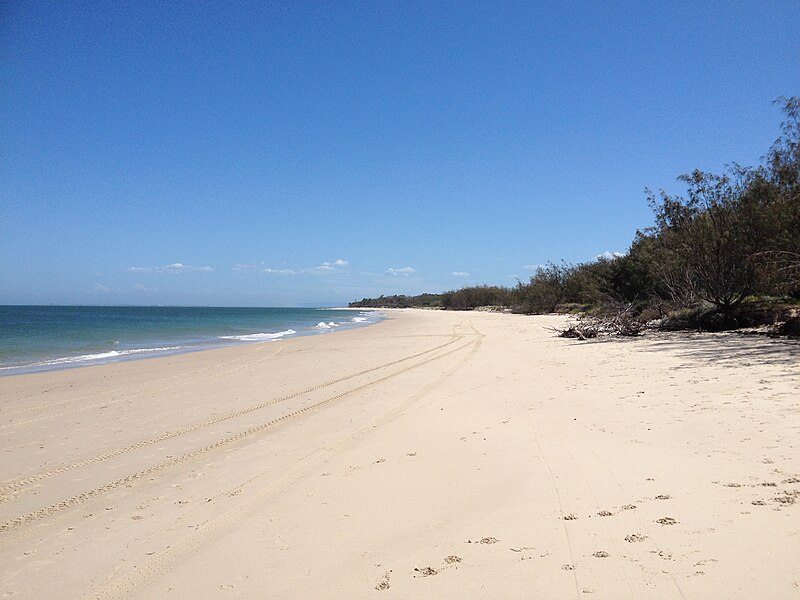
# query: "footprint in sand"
600,554
383,583
635,537
605,513
666,521
785,499
452,559
571,517
427,571
663,497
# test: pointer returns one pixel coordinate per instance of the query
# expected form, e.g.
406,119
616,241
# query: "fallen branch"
623,323
579,331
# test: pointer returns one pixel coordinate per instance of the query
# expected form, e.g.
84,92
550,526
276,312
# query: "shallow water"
34,338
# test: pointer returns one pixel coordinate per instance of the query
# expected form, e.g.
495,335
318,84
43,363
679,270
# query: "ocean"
39,338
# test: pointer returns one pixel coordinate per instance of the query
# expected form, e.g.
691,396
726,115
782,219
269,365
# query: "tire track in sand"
7,490
212,529
197,374
58,507
561,510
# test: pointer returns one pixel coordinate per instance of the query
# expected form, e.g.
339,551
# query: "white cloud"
99,287
260,267
406,271
140,287
532,267
331,266
608,255
171,268
277,271
460,274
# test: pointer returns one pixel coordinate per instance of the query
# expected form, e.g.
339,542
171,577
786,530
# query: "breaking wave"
258,337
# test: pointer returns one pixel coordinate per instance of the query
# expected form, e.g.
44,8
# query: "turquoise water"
34,338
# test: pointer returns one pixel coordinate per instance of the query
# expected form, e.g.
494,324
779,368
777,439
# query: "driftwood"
623,323
791,327
578,331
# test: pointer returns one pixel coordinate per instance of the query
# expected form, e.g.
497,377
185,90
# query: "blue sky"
293,153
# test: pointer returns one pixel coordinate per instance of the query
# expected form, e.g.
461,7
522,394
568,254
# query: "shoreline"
436,454
177,346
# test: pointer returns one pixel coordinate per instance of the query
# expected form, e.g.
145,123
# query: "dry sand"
435,455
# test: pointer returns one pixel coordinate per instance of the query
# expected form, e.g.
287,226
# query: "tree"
468,298
781,184
704,243
545,291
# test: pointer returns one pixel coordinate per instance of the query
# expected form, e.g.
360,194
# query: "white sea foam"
103,355
144,350
324,325
258,337
83,357
359,319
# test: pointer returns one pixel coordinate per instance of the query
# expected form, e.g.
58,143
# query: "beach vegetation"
546,290
400,301
470,298
724,254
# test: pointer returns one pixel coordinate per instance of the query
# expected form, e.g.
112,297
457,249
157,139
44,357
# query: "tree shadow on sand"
731,350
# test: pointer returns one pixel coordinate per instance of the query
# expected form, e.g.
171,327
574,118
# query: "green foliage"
733,234
704,240
469,298
730,238
545,291
779,197
400,301
783,161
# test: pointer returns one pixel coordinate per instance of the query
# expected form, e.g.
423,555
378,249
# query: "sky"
310,154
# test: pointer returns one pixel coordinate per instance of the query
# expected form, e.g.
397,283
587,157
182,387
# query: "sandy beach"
434,455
